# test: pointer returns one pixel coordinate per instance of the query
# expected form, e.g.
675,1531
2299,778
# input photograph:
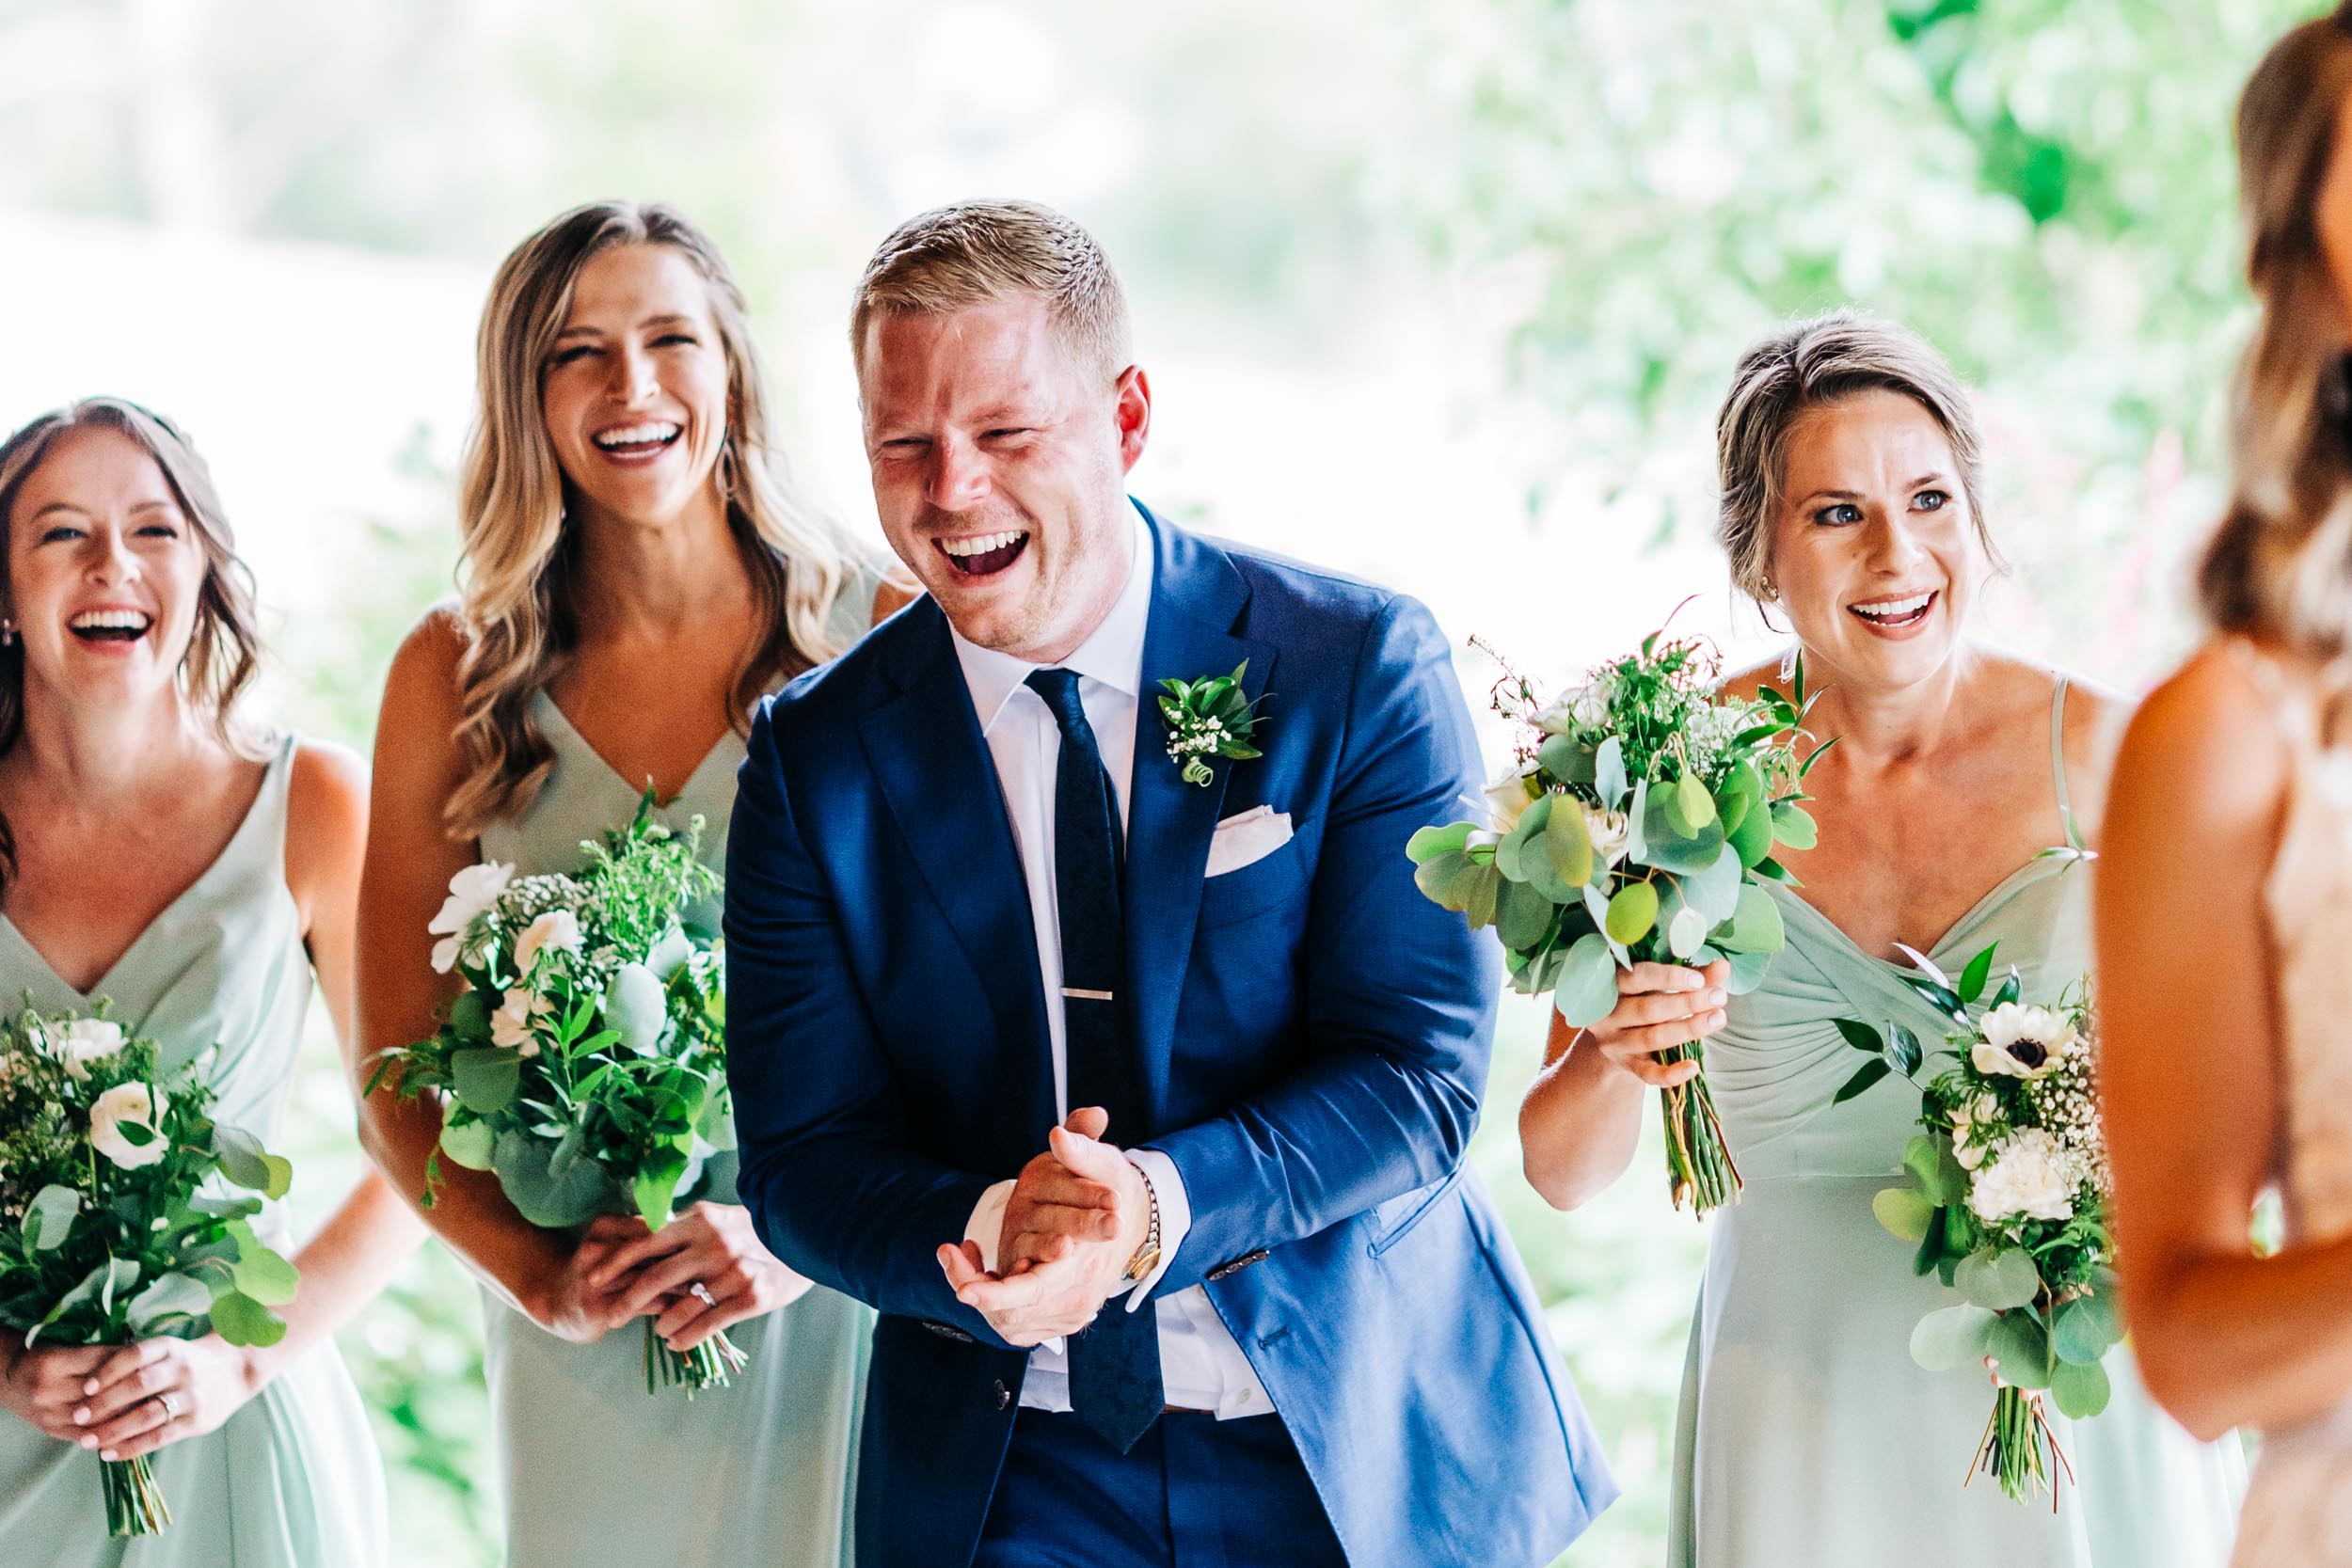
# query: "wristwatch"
1147,1255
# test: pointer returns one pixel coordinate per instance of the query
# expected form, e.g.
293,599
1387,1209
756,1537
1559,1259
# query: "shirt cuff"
1167,1189
988,1222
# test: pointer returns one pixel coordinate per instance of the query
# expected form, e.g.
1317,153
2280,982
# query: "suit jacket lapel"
940,785
1197,596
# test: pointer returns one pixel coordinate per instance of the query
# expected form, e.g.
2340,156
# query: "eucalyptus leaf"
245,1162
636,1008
166,1297
1669,848
2087,1328
2020,1350
1686,931
1903,1211
1751,836
583,1191
49,1217
1748,971
1522,916
1693,805
470,1016
1512,851
242,1321
1587,991
1757,926
1632,913
1952,1337
1427,842
1715,891
261,1273
1567,850
2001,1279
1793,826
2081,1390
657,1184
1609,780
466,1143
485,1077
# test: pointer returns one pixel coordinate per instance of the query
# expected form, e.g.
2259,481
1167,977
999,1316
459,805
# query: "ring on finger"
170,1402
701,1292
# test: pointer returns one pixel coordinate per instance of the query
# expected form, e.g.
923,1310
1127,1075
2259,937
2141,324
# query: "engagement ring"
701,1292
170,1402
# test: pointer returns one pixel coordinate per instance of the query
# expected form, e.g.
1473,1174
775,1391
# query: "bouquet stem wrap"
134,1504
711,1364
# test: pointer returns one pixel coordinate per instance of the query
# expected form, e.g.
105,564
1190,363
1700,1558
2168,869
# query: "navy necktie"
1115,1365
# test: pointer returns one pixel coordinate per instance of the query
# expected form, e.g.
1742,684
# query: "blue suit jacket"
1315,1037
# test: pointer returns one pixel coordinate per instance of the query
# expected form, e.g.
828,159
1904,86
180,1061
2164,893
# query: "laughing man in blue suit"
1134,1096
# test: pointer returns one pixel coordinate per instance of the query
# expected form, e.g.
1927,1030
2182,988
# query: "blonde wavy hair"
2280,566
519,560
224,646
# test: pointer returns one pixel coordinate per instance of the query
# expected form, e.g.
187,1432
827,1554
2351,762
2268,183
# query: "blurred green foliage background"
1442,294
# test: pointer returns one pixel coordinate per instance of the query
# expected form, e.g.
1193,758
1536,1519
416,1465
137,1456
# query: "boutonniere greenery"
1206,719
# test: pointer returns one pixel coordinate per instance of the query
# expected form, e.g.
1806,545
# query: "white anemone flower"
2018,1041
2029,1177
128,1104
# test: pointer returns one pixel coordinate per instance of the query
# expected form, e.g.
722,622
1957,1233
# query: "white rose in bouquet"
1510,793
2031,1175
556,931
85,1040
127,1104
470,892
1608,831
2018,1041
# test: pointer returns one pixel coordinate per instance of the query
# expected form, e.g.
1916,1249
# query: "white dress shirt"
1200,1365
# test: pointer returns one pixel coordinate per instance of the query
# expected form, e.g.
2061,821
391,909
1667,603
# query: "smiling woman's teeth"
984,553
631,439
1894,612
110,626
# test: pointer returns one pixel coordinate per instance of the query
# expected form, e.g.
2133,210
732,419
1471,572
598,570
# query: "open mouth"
984,555
111,625
1895,615
649,439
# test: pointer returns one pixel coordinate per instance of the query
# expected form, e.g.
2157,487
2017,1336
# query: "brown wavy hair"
2280,566
519,559
224,647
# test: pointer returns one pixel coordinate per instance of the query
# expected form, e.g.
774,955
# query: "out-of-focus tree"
2043,188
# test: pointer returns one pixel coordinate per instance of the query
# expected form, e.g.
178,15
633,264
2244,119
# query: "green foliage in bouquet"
1212,718
1636,824
584,1063
2005,1199
126,1212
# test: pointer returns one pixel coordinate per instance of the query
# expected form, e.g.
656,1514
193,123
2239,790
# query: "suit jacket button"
1004,1395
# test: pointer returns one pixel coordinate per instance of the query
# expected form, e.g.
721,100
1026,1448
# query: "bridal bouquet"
2007,1200
1635,823
584,1063
119,1219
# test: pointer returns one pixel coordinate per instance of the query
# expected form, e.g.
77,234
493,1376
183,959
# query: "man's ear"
1133,414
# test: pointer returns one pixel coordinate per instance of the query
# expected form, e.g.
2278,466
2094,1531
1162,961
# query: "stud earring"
8,631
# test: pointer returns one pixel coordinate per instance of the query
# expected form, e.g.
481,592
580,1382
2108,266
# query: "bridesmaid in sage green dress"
1806,1434
155,858
638,573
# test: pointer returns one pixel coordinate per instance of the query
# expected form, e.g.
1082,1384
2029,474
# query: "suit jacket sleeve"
1399,994
827,1170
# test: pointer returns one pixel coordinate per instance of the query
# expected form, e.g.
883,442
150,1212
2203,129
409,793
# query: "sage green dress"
1807,1436
291,1480
596,1472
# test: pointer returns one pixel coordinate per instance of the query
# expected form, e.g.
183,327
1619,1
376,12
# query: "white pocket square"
1248,837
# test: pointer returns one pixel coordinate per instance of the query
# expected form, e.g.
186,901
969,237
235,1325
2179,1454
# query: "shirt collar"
1112,653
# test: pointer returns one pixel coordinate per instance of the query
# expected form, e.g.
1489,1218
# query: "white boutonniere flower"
1211,718
2018,1041
131,1106
470,892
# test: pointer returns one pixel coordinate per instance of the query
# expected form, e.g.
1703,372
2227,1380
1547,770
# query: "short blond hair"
1803,366
972,253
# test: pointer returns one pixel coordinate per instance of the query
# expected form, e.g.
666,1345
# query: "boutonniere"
1209,718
